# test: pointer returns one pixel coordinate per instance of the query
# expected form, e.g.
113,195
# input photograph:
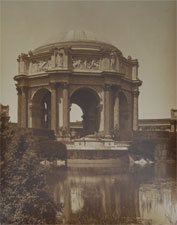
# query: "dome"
74,37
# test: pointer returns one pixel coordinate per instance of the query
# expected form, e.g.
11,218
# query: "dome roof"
74,36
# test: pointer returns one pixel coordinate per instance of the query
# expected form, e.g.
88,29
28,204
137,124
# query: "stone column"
101,110
19,93
66,109
135,110
116,112
24,116
30,108
107,127
60,109
54,106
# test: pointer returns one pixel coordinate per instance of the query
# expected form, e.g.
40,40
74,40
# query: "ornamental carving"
112,61
23,63
90,64
40,65
59,58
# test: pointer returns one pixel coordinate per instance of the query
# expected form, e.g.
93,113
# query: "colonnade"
109,109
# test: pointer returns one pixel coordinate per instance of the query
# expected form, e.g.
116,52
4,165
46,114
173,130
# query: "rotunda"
78,67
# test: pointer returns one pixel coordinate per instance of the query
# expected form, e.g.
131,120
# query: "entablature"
77,60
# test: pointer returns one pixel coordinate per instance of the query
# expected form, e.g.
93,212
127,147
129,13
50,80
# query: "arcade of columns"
106,118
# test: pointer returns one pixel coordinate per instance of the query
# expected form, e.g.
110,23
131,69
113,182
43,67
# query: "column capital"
135,93
107,87
65,85
19,90
117,91
24,89
53,85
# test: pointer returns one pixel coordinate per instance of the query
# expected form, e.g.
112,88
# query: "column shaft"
30,106
101,110
65,109
116,113
19,92
107,128
24,108
54,108
135,110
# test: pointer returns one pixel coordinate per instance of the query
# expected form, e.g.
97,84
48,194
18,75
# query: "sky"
146,30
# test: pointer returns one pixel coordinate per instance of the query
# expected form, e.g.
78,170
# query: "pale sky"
146,30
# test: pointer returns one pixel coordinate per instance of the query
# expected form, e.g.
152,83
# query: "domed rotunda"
78,67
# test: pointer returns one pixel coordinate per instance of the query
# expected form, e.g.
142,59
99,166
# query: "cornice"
71,44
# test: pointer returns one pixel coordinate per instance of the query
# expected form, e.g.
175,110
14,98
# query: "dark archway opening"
41,109
88,101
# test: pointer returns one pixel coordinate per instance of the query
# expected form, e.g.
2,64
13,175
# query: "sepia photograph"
88,112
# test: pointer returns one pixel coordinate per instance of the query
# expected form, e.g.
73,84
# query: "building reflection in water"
93,196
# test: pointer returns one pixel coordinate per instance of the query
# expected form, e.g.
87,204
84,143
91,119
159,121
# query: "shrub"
24,195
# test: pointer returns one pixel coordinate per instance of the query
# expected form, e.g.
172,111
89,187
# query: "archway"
41,109
124,117
76,121
88,100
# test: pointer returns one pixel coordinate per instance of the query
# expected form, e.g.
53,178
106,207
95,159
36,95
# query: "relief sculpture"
40,66
112,61
59,60
90,64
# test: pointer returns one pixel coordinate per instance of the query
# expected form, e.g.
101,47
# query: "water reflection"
116,195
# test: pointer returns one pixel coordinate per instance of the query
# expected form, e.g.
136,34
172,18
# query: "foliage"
24,197
51,150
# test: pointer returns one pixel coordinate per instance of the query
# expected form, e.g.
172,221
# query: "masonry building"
78,67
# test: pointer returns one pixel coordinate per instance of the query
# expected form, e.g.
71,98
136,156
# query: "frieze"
40,65
89,64
56,60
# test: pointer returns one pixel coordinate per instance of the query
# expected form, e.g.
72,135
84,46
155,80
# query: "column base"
108,136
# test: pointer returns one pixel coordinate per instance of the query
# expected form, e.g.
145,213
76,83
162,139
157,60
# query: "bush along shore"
24,195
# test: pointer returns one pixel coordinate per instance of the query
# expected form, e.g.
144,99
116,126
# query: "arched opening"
88,101
76,121
124,117
41,109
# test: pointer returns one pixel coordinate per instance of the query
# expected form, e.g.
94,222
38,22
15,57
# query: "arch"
41,109
88,100
124,117
43,89
76,113
76,121
90,88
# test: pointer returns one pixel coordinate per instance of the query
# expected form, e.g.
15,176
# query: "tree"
25,199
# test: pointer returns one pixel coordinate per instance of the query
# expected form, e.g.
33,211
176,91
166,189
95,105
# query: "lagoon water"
115,195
